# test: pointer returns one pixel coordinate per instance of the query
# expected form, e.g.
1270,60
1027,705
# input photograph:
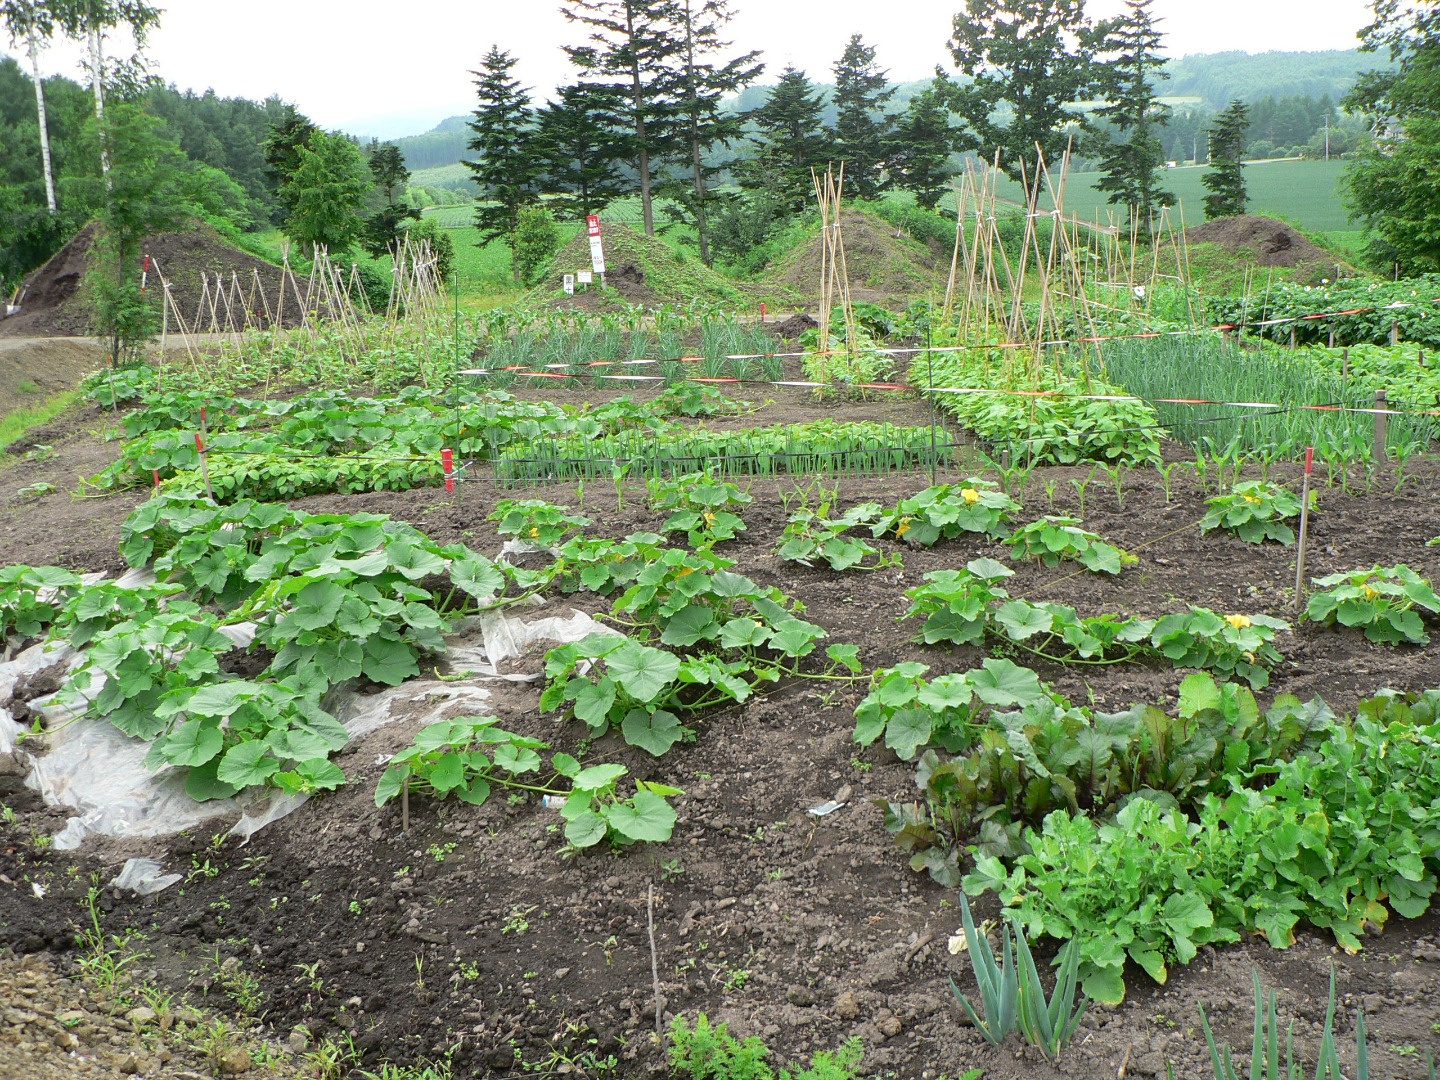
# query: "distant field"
1304,192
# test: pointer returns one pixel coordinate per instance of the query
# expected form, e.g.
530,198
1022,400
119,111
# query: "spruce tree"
505,171
792,140
860,93
1225,179
634,50
392,178
1132,51
1028,60
701,123
290,131
919,148
580,142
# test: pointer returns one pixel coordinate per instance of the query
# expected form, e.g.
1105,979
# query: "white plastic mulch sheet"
90,767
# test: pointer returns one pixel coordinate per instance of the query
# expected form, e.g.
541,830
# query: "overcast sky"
350,64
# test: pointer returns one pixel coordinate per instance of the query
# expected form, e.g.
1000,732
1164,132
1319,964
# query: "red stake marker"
447,462
1309,459
762,311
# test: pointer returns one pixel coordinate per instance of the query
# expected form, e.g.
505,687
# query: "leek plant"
1011,994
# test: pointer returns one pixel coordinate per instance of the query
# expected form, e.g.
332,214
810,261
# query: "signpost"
597,247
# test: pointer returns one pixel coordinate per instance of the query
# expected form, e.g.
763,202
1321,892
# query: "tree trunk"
44,129
97,78
637,100
702,229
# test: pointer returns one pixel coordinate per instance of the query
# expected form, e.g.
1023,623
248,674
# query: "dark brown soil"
1274,242
802,930
33,369
52,306
883,267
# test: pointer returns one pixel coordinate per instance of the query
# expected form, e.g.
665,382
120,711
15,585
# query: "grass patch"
14,425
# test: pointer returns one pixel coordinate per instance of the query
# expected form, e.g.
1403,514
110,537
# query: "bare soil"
475,934
51,304
884,267
1273,242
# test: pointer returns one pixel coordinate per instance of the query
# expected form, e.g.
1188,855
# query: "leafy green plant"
1238,645
469,756
913,712
536,521
1019,765
945,511
1382,600
31,598
811,536
1052,539
710,1052
1255,511
1050,413
956,603
1339,836
699,505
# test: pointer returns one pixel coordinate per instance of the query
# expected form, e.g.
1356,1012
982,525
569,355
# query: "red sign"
592,225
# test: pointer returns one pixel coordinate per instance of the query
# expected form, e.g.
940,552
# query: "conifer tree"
505,170
1225,179
792,140
391,177
1132,51
860,92
1028,60
701,124
291,131
580,141
919,148
634,49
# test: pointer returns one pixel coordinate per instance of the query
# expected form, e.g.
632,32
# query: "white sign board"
597,255
569,283
584,277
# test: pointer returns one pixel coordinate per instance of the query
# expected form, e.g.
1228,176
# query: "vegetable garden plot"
849,916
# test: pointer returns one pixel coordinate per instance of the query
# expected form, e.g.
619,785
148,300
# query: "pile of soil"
1273,242
52,307
883,267
642,271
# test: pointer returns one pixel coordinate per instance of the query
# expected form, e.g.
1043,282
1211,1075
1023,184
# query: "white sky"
348,64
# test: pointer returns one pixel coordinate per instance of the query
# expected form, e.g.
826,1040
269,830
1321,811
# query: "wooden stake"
1304,529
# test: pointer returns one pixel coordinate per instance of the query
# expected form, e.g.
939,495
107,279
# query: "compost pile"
52,306
1273,242
882,266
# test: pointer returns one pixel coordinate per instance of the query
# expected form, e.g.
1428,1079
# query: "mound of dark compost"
51,304
1274,242
883,267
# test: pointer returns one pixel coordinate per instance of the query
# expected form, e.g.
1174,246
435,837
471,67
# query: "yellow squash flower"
1238,622
903,527
970,495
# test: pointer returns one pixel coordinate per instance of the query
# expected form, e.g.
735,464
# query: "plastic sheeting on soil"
98,772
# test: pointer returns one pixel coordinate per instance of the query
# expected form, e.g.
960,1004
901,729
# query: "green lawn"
1303,192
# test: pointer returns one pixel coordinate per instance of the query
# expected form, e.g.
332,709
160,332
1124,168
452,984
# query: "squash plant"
1052,539
1255,511
944,511
1385,600
470,756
